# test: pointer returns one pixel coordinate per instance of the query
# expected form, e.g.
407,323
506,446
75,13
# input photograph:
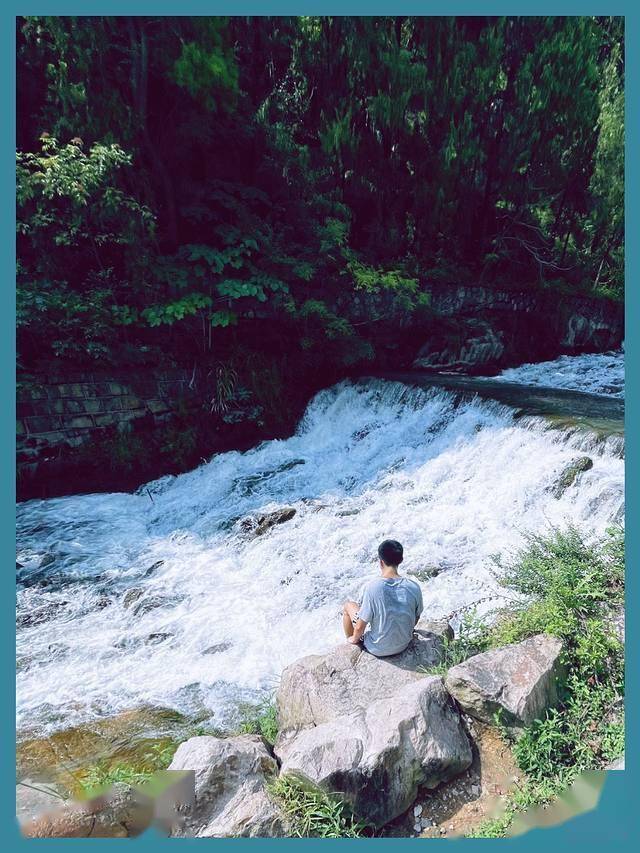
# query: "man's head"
390,553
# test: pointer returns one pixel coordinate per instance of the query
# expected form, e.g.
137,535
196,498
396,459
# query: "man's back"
392,607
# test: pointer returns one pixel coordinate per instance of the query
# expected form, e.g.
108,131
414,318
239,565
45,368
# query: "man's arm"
358,631
419,606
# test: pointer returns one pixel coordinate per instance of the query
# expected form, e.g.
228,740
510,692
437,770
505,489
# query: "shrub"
567,588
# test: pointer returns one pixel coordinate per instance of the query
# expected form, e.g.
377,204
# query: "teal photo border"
614,824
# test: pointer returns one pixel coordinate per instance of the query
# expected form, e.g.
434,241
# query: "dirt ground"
455,808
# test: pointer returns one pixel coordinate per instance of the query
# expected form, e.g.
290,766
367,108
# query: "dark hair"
390,552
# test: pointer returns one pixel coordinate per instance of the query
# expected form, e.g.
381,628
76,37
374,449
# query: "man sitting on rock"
390,606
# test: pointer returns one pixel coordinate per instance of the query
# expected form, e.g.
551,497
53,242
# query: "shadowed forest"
262,200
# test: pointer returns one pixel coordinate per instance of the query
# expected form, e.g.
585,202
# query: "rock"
131,596
47,611
116,814
417,811
218,648
518,681
439,627
122,739
425,573
151,602
377,756
34,797
261,522
319,688
153,568
230,794
569,474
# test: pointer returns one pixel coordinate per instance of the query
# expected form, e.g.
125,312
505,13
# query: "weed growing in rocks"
473,638
101,776
259,720
311,813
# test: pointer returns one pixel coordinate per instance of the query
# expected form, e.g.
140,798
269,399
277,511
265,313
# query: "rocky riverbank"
373,732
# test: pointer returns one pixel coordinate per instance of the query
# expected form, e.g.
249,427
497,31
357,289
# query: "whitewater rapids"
455,481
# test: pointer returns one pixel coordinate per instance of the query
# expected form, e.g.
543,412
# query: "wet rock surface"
568,476
260,523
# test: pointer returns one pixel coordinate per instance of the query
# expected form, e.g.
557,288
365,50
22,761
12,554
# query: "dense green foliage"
216,191
568,588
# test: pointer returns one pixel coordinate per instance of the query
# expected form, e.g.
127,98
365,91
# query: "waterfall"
160,597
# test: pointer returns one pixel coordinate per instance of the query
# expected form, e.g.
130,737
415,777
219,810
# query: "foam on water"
595,373
223,614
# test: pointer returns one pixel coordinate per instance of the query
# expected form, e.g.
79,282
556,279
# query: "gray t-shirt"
392,607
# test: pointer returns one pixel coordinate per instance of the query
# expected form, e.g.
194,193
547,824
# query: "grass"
567,588
99,777
259,719
473,638
312,813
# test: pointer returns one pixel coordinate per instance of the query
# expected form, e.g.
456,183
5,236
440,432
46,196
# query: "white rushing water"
595,373
218,614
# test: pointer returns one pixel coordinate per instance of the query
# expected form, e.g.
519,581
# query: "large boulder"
231,799
319,688
377,756
518,682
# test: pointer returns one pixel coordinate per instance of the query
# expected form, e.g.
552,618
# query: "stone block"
106,420
51,438
42,424
73,407
80,423
112,404
93,406
130,402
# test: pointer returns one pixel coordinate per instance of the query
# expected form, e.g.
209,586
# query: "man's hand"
358,631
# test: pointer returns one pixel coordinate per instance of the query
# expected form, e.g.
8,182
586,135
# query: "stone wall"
68,410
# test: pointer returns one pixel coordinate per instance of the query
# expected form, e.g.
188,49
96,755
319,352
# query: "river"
159,598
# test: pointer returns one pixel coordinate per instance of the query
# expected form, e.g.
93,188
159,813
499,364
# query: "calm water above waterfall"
160,598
